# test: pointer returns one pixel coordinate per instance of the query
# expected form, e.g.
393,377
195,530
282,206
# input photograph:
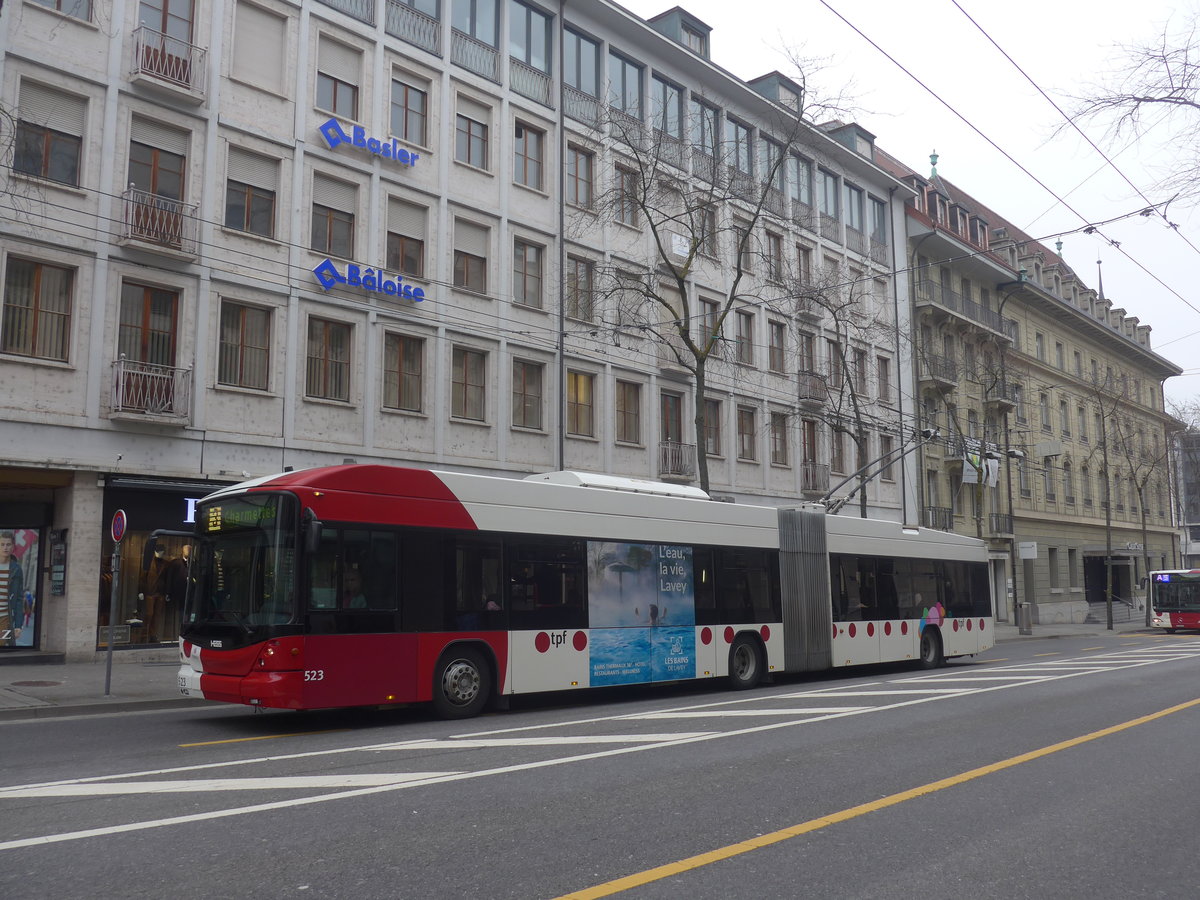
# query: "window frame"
327,367
241,347
36,313
403,349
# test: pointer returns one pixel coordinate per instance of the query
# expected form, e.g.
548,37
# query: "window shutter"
473,109
470,238
334,194
44,106
338,60
252,169
407,219
259,37
163,137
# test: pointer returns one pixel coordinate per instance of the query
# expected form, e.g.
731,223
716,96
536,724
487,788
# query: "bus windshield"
1176,591
244,577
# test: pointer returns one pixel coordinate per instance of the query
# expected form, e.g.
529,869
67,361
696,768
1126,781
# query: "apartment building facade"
245,236
1053,442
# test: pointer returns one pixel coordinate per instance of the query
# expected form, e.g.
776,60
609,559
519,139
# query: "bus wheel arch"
463,681
747,662
931,654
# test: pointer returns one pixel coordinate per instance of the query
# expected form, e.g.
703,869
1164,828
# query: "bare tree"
1156,85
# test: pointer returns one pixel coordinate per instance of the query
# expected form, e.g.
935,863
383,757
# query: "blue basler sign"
335,135
374,280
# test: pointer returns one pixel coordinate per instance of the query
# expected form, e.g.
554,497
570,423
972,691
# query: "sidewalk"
39,685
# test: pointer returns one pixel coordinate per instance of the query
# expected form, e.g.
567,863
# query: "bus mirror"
312,531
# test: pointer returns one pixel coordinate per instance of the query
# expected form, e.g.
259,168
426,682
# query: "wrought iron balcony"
856,240
412,26
530,82
1000,524
814,477
363,10
939,517
940,369
831,228
151,390
930,293
811,387
161,221
475,56
1001,396
676,460
161,59
580,106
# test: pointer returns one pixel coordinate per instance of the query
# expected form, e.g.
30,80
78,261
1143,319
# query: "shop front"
139,604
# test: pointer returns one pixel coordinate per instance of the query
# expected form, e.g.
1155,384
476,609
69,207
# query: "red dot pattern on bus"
765,631
706,635
579,642
542,642
728,635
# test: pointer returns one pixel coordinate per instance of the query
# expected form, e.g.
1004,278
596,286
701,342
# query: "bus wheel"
745,664
461,683
931,649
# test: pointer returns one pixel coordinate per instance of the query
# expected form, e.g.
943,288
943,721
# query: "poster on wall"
18,586
641,612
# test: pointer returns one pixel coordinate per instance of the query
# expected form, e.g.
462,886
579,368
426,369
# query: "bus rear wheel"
931,649
745,664
461,684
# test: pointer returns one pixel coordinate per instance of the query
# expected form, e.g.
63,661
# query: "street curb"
101,707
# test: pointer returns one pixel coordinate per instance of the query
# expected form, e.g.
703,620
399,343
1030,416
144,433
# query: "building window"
49,138
1044,410
149,324
829,194
1039,346
470,257
527,394
743,245
403,372
747,432
712,427
774,256
477,19
667,110
837,451
580,169
527,273
706,230
799,184
745,338
580,295
887,446
625,86
529,36
76,9
328,373
883,372
581,63
671,417
779,439
704,128
528,151
471,142
854,207
37,310
250,192
777,347
410,112
694,40
406,238
629,412
580,404
467,384
338,68
740,146
860,372
627,196
333,217
244,357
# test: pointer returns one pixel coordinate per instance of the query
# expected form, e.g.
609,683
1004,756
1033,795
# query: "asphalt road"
1062,768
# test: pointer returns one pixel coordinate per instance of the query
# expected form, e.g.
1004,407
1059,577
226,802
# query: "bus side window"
704,586
546,584
747,588
322,572
426,603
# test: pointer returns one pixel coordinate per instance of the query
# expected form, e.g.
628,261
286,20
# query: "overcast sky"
1064,46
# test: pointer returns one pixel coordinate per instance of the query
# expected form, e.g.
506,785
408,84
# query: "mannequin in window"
152,591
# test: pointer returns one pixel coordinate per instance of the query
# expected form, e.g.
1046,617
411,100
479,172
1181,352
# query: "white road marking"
767,711
475,743
185,786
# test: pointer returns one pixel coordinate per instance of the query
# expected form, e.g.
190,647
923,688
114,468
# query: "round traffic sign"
118,526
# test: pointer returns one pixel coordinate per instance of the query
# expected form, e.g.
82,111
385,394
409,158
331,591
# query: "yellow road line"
262,737
1046,654
1093,648
704,859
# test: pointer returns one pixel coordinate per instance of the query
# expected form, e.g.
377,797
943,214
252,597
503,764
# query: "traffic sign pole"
119,522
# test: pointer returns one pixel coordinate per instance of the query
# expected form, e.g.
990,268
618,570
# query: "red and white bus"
369,585
1175,599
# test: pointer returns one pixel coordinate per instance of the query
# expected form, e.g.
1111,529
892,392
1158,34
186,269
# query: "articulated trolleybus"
369,585
1175,599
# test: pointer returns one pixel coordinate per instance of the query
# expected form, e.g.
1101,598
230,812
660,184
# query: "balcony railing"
704,165
1001,394
814,476
940,368
150,389
1000,523
154,219
530,82
580,106
811,386
676,460
626,128
831,228
475,56
932,292
802,215
939,517
856,240
412,26
774,202
879,251
164,58
363,10
669,148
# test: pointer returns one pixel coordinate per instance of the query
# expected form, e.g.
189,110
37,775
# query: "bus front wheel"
745,664
931,649
461,683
